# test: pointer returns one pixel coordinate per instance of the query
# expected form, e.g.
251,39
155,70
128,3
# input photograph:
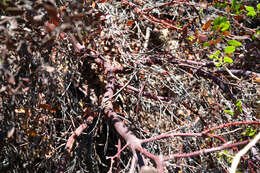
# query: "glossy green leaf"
230,49
219,64
224,26
229,112
237,8
191,38
249,8
230,159
218,21
233,4
218,58
217,52
250,132
258,6
251,13
234,43
239,103
226,152
240,109
215,55
206,44
228,60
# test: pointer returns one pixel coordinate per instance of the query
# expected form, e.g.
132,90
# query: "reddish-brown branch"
165,23
153,19
170,135
158,161
216,136
76,133
204,151
117,155
134,143
230,124
183,135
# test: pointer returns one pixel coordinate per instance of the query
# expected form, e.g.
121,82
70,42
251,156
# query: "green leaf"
250,132
219,64
190,38
228,60
219,59
206,44
239,103
217,52
238,9
201,11
234,43
5,3
249,8
226,152
251,13
229,112
215,55
215,5
230,159
238,12
224,26
233,4
223,5
219,20
258,6
230,49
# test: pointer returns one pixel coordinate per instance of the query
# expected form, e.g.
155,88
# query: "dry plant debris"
129,86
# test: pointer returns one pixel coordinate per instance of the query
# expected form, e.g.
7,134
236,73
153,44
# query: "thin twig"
121,87
242,152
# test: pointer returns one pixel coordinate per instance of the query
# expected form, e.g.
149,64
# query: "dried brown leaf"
207,25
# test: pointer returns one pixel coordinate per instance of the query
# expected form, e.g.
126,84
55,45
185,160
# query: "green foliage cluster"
251,11
238,107
221,24
250,132
225,154
236,7
228,50
219,30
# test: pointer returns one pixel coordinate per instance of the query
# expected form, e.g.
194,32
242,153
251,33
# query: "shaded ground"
51,83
